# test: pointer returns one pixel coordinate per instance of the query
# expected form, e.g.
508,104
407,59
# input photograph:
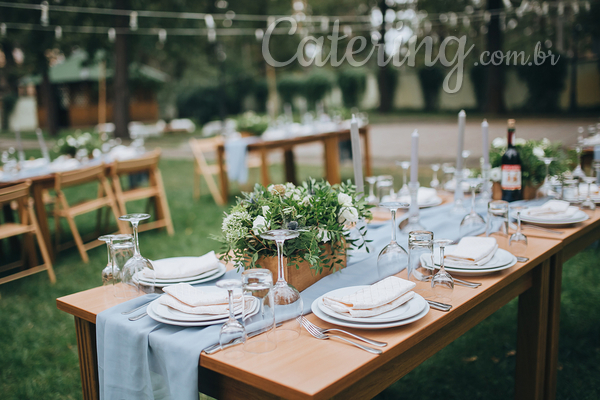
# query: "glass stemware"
372,199
578,171
497,221
518,241
392,258
385,186
442,282
472,222
257,284
232,329
546,189
405,167
137,263
588,203
434,181
121,251
107,273
448,170
420,246
288,303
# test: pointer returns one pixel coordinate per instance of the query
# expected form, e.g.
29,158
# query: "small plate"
579,216
500,258
167,262
207,278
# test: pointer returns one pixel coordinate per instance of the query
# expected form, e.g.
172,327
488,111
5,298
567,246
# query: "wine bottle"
511,168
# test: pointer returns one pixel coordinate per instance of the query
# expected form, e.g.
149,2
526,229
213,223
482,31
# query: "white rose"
348,214
344,200
499,143
266,210
546,143
496,174
520,141
323,235
259,225
306,200
538,152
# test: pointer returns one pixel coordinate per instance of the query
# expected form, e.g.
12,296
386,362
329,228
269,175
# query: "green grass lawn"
38,350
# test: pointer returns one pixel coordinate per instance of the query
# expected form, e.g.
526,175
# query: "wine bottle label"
511,177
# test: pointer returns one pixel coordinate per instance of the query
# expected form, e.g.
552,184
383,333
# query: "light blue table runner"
145,359
236,154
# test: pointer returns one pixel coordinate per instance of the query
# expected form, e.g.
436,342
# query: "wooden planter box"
304,276
528,191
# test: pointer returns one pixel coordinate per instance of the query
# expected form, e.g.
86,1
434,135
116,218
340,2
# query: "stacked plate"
501,260
161,313
560,219
411,311
166,262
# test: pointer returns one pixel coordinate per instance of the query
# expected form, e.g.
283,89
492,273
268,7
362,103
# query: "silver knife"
216,347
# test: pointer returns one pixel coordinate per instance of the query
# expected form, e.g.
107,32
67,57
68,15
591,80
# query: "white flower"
538,152
323,235
72,142
520,141
499,143
259,225
306,200
546,143
345,200
233,225
266,210
496,174
348,214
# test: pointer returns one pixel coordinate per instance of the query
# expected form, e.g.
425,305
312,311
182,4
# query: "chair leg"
163,204
43,249
78,240
197,182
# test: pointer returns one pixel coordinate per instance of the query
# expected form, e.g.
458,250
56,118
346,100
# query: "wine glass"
571,191
472,221
107,272
257,285
448,171
434,181
288,303
232,329
442,282
518,241
405,167
465,155
392,258
372,199
588,203
546,189
137,263
385,186
121,251
578,171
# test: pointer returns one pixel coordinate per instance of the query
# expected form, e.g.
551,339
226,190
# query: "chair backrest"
145,163
79,176
15,192
208,145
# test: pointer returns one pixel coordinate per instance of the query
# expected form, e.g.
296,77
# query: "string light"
58,33
133,21
112,35
162,35
259,34
2,29
45,18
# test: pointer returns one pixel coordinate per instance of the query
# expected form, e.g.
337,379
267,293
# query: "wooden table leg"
332,160
264,167
42,217
553,326
290,165
88,358
367,161
531,336
222,173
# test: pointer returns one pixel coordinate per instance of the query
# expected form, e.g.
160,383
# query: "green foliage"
352,83
544,83
290,86
320,212
533,170
261,95
318,84
431,79
252,123
71,144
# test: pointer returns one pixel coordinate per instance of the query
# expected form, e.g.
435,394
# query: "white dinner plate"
168,262
335,321
479,272
406,310
169,313
579,216
500,258
206,277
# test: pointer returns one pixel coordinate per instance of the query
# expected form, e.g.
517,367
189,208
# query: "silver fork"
321,336
461,282
364,339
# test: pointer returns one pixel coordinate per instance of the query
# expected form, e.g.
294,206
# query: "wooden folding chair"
62,209
202,147
154,191
27,225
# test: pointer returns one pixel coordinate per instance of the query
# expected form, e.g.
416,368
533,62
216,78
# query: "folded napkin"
472,251
215,309
424,196
376,299
194,297
186,269
553,209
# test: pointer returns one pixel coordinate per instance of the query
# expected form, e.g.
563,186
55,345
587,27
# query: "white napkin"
553,209
186,269
64,164
424,196
376,299
472,251
216,309
194,297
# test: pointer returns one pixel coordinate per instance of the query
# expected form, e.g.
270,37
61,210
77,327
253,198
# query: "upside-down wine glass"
392,258
578,171
405,167
107,272
442,282
232,329
372,199
288,303
137,263
546,189
434,181
472,222
588,203
518,241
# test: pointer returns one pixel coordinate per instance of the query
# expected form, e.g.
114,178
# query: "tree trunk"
495,74
121,88
49,101
573,89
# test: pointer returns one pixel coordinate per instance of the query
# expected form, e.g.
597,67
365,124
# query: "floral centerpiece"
321,212
71,144
252,123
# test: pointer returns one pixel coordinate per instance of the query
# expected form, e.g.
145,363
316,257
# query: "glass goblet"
121,250
137,263
385,186
442,282
588,203
420,261
232,329
107,272
472,222
518,241
257,284
392,258
434,181
405,167
372,199
578,171
546,189
288,303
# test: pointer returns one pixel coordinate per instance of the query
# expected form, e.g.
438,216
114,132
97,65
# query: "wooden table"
311,369
330,142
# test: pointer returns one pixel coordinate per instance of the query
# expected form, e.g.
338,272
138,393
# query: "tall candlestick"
414,157
485,136
356,156
462,116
